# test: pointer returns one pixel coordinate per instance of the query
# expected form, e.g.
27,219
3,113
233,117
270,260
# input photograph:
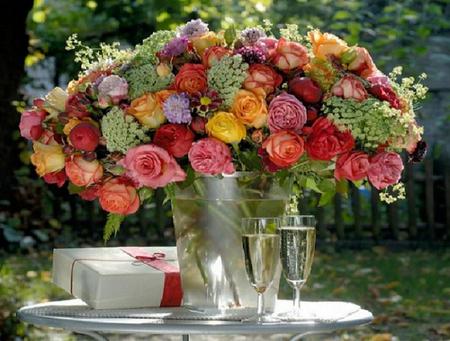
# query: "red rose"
191,78
77,105
84,136
326,141
385,169
118,196
384,92
262,76
284,148
352,166
175,138
198,124
57,178
90,193
214,54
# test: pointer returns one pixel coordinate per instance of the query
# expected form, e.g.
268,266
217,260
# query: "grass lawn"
408,292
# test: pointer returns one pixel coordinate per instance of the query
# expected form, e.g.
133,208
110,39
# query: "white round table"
75,316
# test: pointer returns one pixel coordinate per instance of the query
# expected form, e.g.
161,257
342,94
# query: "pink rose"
385,169
286,113
111,90
119,196
31,124
151,166
57,178
352,166
349,87
262,76
211,156
363,64
289,55
83,173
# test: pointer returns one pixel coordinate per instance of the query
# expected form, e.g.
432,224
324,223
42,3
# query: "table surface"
75,320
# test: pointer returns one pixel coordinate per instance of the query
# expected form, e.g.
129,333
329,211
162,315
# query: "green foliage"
112,225
226,77
121,131
144,78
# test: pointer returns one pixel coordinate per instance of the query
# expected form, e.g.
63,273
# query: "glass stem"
297,299
260,309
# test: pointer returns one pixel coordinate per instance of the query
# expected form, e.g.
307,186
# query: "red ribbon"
172,293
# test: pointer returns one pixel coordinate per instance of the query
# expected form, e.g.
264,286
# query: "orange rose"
47,158
263,77
119,197
363,64
83,173
324,44
213,54
207,40
284,148
250,107
148,110
191,78
289,55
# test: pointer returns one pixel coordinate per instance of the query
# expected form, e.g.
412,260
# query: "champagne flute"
298,239
261,245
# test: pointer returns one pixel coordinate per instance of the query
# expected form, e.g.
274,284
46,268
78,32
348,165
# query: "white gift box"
109,278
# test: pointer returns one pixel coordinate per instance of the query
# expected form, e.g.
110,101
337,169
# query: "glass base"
295,316
266,318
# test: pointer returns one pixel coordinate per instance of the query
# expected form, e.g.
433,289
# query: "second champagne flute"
261,246
298,239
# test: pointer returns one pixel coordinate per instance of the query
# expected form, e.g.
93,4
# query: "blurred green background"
362,243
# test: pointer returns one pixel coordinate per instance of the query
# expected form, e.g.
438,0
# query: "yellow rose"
226,127
207,40
148,110
74,121
324,44
250,107
47,158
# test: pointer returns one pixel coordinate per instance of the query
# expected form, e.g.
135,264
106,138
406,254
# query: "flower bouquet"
192,102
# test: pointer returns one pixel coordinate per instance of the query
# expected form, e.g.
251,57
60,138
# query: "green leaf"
230,35
340,15
326,197
311,184
145,193
342,187
170,192
190,178
73,189
112,225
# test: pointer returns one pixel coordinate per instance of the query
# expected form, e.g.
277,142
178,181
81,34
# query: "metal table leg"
96,336
185,337
297,337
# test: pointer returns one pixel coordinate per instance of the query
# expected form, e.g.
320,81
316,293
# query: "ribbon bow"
150,256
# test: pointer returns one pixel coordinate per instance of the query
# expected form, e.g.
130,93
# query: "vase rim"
233,175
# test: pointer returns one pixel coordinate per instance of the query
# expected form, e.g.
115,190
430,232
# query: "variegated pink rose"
289,55
349,87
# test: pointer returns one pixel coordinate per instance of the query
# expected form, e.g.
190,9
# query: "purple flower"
252,54
176,108
175,47
194,28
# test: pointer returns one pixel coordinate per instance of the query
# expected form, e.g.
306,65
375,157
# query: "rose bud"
31,124
84,136
258,136
57,178
39,103
198,124
311,113
305,89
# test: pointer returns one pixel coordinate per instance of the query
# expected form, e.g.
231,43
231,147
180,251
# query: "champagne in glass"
261,246
298,239
261,252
